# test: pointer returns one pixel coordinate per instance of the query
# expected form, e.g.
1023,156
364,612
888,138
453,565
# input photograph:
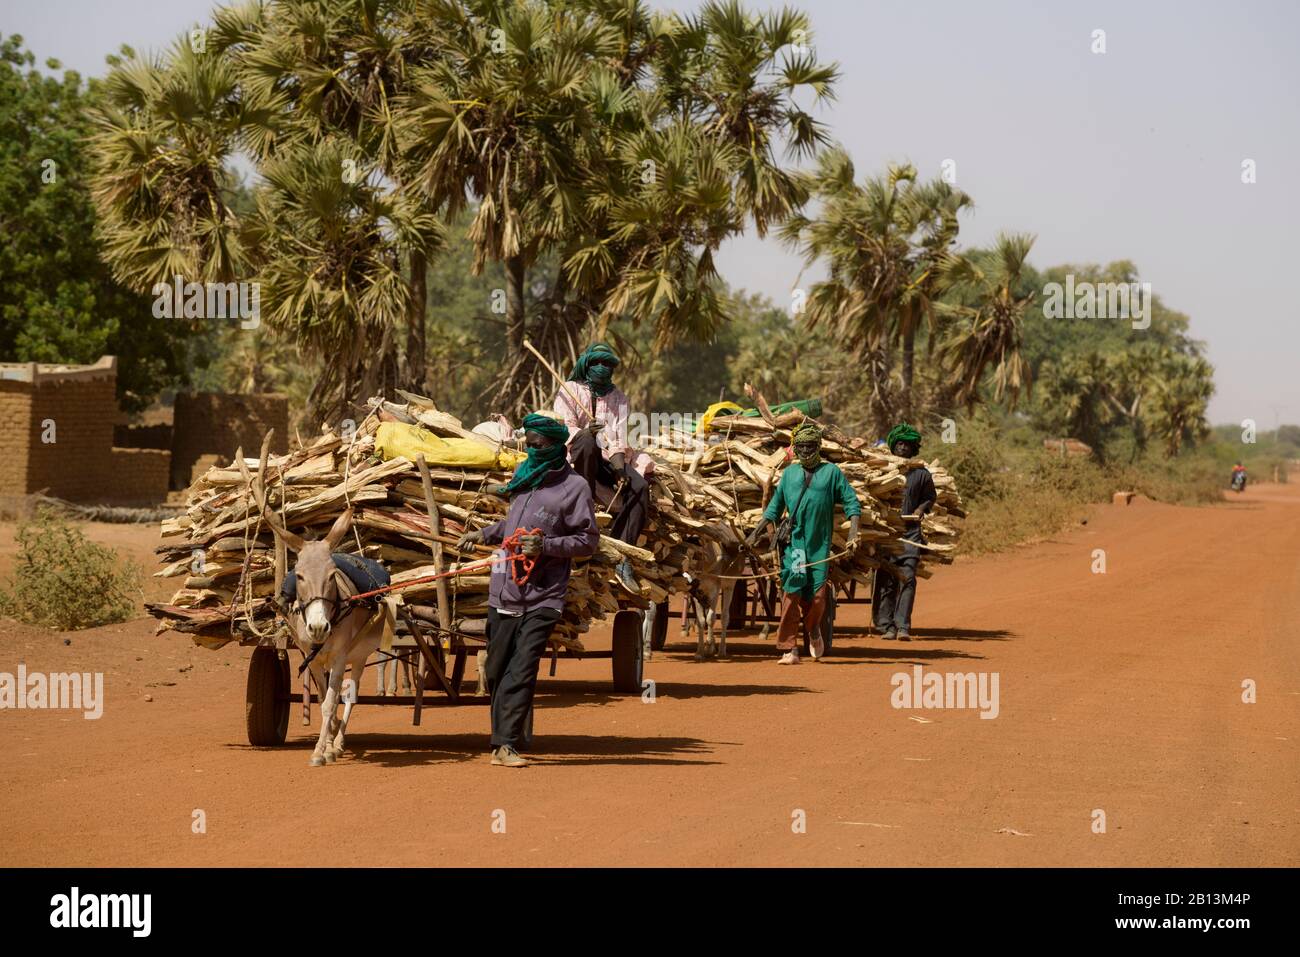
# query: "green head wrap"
599,380
534,469
808,432
902,433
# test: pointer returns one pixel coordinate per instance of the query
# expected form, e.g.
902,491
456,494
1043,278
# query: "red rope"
513,546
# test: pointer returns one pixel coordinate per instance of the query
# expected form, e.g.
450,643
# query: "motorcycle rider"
1239,476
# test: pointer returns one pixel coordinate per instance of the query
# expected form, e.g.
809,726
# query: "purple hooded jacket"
562,508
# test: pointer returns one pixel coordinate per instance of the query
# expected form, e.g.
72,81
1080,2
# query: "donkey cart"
757,602
436,660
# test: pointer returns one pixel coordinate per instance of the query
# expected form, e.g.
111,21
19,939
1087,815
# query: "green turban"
600,382
544,425
902,433
533,469
807,432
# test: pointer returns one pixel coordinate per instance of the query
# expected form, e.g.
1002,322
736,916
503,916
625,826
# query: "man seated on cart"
596,412
807,493
552,516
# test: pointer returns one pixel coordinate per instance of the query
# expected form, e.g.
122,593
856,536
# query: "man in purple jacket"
544,493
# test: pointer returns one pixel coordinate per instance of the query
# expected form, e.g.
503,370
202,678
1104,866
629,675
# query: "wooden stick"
435,545
558,378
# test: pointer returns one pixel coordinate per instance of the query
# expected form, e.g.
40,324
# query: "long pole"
558,378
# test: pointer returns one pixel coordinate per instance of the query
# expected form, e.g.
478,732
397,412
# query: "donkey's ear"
339,529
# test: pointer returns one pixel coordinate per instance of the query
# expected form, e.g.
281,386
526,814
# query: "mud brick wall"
138,477
142,437
219,423
76,465
15,415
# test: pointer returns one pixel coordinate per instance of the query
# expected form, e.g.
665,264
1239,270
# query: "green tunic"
814,521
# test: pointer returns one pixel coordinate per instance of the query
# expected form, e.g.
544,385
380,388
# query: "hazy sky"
1131,154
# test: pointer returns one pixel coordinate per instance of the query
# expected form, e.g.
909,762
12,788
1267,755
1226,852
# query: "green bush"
64,580
976,460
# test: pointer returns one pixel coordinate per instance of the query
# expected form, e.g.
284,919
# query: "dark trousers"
632,501
894,596
515,647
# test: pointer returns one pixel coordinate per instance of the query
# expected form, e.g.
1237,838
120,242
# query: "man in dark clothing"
895,590
547,494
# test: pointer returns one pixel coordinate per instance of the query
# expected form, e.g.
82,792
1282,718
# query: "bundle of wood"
228,556
725,478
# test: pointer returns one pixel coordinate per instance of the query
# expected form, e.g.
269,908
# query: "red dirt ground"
1120,692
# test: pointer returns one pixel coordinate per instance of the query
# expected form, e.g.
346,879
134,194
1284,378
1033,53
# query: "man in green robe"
808,492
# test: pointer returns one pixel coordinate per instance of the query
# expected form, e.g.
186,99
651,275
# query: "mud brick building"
210,423
61,432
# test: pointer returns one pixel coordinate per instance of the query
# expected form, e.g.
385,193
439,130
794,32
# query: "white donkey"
333,634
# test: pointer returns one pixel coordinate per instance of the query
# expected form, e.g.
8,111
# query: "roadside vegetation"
63,580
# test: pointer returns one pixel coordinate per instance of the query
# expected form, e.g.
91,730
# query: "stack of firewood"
706,489
227,554
728,474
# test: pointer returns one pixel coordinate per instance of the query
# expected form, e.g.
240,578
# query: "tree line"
437,181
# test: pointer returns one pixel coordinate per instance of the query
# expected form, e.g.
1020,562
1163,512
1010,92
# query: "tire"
659,630
627,663
266,700
827,627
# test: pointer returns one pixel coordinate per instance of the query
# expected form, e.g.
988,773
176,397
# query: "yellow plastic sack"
397,438
706,420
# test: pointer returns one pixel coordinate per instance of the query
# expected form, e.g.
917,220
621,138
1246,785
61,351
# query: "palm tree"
304,87
630,146
1182,395
538,116
1075,390
887,247
989,307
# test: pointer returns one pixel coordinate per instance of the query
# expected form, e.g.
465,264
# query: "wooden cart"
758,602
437,662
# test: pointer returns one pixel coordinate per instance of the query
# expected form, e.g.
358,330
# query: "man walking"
596,412
895,591
546,494
807,493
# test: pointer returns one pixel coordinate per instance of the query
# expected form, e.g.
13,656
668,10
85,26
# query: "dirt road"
1119,693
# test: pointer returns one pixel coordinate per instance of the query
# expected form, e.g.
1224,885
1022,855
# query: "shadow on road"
891,653
407,750
684,691
960,634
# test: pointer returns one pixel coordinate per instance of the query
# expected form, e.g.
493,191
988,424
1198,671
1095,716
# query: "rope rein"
521,567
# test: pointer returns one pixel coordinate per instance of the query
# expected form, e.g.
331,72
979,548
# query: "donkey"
333,634
714,580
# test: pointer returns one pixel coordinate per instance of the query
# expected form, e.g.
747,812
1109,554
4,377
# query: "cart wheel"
827,626
627,652
659,630
266,700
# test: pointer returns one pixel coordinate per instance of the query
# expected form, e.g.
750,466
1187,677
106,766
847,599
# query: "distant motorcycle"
1239,481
